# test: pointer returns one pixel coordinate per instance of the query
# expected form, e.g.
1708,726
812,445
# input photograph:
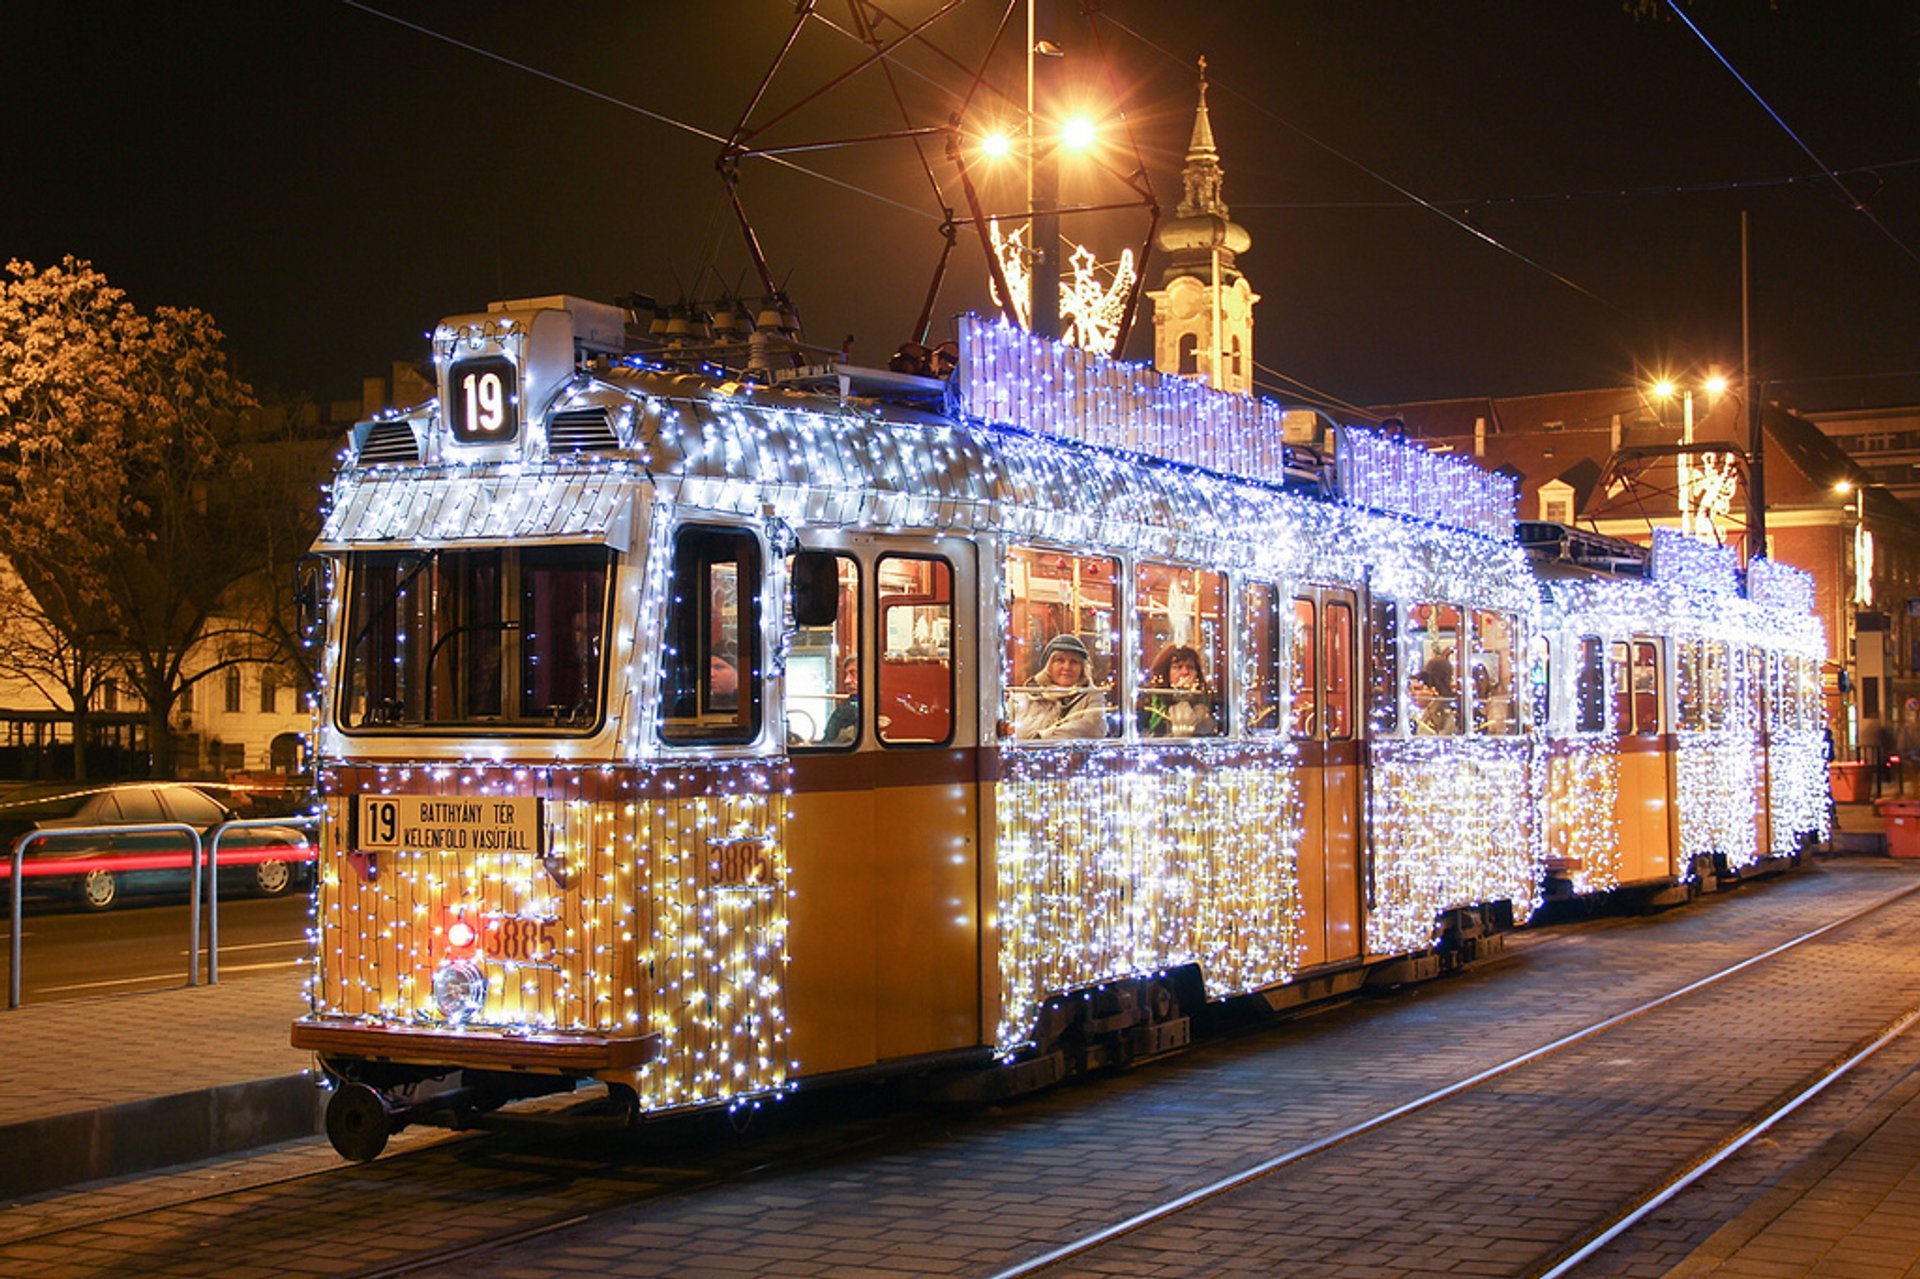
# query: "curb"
137,1136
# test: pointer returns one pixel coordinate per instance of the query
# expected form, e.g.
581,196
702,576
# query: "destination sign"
450,823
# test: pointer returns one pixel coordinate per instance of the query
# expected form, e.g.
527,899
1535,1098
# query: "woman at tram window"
1062,701
1183,705
1436,700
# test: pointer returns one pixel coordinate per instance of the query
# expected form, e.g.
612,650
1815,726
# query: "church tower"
1203,309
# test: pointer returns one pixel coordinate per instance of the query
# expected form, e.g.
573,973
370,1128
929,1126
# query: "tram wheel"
358,1123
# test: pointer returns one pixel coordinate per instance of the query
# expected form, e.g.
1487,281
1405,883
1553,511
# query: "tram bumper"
470,1049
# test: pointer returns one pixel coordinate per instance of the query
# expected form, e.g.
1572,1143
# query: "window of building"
711,673
824,672
233,690
1433,668
914,693
1189,354
1263,658
269,693
1066,607
109,694
185,700
1182,650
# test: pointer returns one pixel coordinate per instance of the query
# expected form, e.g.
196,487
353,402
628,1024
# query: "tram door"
884,841
1325,719
1645,749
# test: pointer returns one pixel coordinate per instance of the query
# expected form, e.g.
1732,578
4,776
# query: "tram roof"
816,459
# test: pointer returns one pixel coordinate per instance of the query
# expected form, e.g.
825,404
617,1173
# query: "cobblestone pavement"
1467,1188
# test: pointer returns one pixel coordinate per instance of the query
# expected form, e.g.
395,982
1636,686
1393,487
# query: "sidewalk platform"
1859,828
125,1083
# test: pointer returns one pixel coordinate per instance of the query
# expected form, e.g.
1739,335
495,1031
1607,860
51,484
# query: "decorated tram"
706,736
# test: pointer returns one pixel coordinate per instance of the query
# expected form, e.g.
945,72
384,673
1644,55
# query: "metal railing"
310,820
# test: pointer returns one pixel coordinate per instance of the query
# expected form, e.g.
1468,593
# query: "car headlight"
460,988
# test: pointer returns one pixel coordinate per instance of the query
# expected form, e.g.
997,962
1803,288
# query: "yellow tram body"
702,738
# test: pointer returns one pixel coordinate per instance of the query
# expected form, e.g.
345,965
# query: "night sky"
328,182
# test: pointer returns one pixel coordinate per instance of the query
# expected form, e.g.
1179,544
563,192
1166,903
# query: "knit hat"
1068,644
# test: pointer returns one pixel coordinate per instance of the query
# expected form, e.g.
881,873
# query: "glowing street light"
1078,133
996,145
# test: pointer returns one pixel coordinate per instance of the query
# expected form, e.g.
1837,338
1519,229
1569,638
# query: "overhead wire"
1478,233
1562,197
624,105
1854,202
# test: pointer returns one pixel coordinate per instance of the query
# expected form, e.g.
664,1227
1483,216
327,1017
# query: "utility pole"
1043,171
1756,432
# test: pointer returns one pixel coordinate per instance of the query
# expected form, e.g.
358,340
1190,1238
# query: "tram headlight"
460,989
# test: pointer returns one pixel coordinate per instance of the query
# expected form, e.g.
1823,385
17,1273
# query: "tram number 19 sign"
483,400
449,823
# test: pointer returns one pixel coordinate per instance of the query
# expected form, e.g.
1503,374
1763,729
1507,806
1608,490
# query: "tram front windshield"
494,637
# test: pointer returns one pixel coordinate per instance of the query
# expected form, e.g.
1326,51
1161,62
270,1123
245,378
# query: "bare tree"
124,489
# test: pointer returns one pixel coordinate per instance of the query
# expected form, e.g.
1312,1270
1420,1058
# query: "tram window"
1383,686
1619,688
1690,699
1540,679
1301,685
1263,658
1067,607
494,638
1337,664
1646,687
1757,685
1590,687
1713,685
710,679
563,605
1433,674
823,671
1494,711
914,689
1182,650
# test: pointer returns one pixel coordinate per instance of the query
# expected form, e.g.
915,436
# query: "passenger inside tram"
1179,703
1062,699
843,725
1436,702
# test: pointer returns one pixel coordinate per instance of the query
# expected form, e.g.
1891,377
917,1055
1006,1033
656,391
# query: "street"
73,954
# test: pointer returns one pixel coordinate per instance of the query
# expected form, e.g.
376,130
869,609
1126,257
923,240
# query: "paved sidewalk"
123,1083
1851,1210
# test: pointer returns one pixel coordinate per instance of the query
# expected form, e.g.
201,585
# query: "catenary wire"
1853,201
624,105
1486,237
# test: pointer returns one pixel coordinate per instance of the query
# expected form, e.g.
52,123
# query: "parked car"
104,869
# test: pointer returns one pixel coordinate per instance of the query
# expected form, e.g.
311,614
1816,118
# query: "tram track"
537,1198
1174,1207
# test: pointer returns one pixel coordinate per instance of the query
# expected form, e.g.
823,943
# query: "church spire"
1202,142
1203,309
1202,178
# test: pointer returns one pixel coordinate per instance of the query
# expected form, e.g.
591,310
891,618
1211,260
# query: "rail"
18,881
